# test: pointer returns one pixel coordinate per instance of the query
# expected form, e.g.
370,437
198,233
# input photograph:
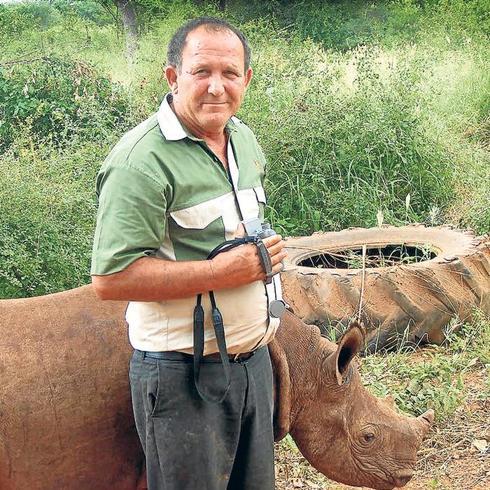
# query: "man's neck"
216,141
214,138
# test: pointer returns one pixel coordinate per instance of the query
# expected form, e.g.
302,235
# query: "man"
171,190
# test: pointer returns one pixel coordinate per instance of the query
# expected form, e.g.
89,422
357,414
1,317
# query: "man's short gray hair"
177,43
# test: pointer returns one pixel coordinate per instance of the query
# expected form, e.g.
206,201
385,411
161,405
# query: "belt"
182,356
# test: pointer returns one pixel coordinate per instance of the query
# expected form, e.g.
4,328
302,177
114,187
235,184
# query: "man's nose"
216,86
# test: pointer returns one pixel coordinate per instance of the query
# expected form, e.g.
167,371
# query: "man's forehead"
202,42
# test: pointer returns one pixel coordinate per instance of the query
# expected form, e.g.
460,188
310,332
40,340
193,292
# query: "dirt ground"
455,456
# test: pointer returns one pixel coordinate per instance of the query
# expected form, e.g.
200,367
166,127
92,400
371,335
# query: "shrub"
47,213
388,111
346,135
17,18
58,100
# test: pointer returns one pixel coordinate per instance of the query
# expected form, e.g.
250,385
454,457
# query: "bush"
58,100
17,18
345,136
360,108
47,214
94,11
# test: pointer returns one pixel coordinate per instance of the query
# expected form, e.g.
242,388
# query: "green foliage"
344,25
345,136
47,209
57,100
438,379
14,19
100,12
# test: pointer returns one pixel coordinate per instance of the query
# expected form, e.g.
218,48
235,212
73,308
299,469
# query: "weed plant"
435,378
47,216
57,101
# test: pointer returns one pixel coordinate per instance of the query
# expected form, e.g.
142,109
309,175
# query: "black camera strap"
218,325
219,332
265,260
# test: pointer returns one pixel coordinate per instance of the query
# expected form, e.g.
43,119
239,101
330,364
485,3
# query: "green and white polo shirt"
163,193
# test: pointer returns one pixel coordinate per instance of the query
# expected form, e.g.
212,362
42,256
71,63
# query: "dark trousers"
191,444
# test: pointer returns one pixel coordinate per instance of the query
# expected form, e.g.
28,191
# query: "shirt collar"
171,127
169,123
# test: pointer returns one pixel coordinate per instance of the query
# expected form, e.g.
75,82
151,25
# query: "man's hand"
154,279
241,265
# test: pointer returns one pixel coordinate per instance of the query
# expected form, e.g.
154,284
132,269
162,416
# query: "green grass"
436,377
47,219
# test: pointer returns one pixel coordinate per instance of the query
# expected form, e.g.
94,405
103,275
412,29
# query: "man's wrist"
212,276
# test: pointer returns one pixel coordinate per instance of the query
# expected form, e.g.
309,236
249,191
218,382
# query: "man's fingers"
277,248
278,268
279,257
272,240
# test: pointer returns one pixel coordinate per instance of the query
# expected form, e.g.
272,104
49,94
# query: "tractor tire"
406,303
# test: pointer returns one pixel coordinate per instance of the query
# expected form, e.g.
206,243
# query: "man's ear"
248,76
171,75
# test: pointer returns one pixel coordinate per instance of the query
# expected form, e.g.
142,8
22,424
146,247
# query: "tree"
125,16
128,17
129,20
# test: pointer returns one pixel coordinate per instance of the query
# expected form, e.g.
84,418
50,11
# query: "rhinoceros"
65,411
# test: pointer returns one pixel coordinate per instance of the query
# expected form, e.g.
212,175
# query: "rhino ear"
350,344
282,390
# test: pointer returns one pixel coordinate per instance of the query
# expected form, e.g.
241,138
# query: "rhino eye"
368,437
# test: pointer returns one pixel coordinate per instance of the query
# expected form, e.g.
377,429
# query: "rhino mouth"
395,480
403,478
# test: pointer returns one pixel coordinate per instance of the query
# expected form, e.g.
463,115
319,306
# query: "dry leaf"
480,444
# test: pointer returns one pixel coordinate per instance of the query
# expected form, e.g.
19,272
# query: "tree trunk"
130,26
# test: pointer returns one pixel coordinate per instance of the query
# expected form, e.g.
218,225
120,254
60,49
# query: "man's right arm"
155,279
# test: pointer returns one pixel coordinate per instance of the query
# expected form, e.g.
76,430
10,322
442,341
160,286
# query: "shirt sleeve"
131,218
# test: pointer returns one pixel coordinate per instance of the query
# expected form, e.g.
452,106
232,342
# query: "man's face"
209,86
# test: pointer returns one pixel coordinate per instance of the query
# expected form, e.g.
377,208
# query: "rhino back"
65,410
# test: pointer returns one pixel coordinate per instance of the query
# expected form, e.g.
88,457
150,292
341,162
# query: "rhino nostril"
428,416
403,477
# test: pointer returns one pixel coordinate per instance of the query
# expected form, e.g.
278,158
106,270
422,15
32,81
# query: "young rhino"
317,386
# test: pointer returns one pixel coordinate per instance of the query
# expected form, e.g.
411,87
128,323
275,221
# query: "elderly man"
170,191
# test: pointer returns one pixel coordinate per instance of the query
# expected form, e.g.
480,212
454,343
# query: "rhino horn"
349,346
282,391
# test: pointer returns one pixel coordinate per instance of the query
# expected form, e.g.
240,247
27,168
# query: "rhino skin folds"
66,418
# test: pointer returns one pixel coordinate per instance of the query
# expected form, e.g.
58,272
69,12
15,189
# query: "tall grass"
47,216
438,378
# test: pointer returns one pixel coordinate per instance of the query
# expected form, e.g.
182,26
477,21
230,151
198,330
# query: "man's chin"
215,121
